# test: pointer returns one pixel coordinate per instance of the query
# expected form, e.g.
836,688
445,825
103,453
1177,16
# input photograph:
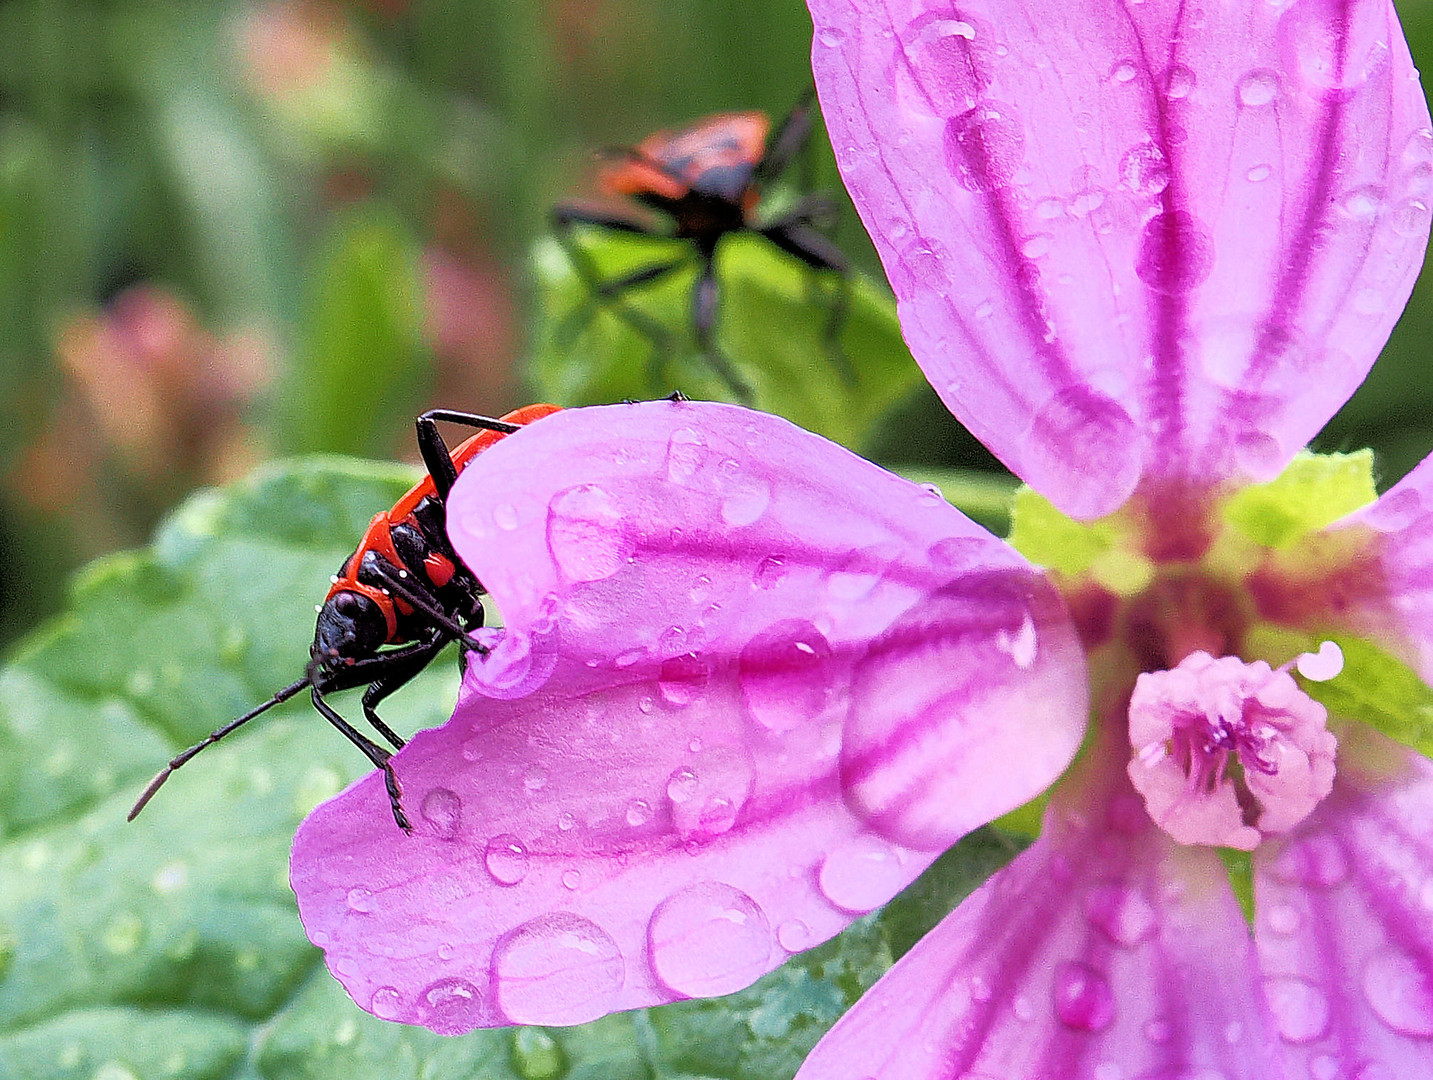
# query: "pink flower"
751,685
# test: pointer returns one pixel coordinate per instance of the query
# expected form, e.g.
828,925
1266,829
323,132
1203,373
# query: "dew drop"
450,1007
1178,82
1257,174
535,779
1144,169
744,497
1078,417
1399,992
1176,253
793,935
1333,46
770,571
786,675
639,812
682,678
951,58
984,146
505,516
686,451
359,899
443,811
1121,913
682,784
707,796
708,939
571,879
1316,862
1036,246
566,821
861,873
586,534
558,968
1411,217
1301,1009
1258,88
506,859
386,1003
1283,919
1083,998
1123,72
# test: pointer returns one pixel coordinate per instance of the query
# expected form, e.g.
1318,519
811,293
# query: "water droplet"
450,1007
566,821
686,453
1233,1032
1178,82
558,968
793,935
443,811
952,59
1122,913
359,899
1283,919
1144,169
682,678
505,516
1123,72
1176,253
1049,209
536,1054
744,497
682,784
708,939
1301,1009
1257,174
506,859
386,1003
1080,417
1333,46
571,879
535,779
639,812
786,675
861,874
646,705
1399,992
1023,1008
1083,998
707,796
770,571
1411,217
447,951
1258,88
1036,246
1021,645
830,37
586,534
1086,202
984,146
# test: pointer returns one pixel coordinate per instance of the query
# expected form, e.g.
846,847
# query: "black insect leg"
791,136
406,588
373,752
398,672
705,298
436,457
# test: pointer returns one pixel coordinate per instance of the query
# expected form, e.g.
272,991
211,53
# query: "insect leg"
436,458
397,672
705,298
791,135
372,751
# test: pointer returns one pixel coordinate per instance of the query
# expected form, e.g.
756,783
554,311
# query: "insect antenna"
179,759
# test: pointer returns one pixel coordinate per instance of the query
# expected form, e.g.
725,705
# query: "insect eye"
347,604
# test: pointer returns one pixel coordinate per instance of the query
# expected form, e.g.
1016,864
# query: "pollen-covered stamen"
1227,752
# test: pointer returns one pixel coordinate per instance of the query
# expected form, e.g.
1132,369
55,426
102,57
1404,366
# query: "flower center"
1228,752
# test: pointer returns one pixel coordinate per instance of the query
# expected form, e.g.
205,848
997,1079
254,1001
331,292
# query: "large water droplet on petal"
1301,1009
1333,46
682,678
1083,998
861,874
1399,991
1258,88
985,146
1144,169
1176,253
586,534
450,1007
1076,429
443,811
519,659
558,968
786,675
686,453
506,859
951,57
1122,913
708,939
386,1003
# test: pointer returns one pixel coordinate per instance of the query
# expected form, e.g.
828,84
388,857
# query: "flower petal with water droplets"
1345,919
753,662
1103,950
1134,240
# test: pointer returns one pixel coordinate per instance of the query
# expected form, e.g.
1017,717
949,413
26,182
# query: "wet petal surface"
1344,932
1104,950
1134,240
763,683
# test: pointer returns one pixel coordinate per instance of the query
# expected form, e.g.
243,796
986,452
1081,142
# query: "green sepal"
1312,493
1240,866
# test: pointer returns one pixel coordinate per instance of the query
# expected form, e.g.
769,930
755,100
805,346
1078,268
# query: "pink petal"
764,683
1344,932
1134,240
1391,590
1104,950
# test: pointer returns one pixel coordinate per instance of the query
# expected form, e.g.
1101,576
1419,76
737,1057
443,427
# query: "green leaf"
1379,689
171,947
772,317
363,360
984,497
1047,537
1313,492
